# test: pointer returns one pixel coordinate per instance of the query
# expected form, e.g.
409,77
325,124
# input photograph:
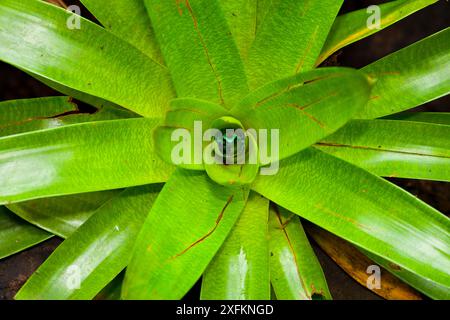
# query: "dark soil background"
15,84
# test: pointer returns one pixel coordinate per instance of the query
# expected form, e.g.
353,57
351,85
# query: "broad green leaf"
17,235
393,148
240,270
92,100
410,77
35,38
89,99
199,50
359,267
127,19
62,215
356,25
95,253
15,112
97,102
429,288
74,209
26,115
428,117
181,235
364,210
241,16
289,39
295,272
316,102
244,18
79,158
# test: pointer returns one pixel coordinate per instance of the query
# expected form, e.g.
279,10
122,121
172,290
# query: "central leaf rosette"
200,135
232,155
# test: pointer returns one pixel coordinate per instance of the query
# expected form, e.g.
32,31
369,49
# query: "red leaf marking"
219,218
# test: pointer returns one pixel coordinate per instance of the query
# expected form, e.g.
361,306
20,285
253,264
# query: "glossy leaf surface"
95,253
35,38
26,115
363,209
17,234
240,270
410,77
429,288
62,215
391,148
113,154
180,236
16,112
295,272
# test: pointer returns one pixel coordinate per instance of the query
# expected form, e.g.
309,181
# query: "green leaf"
62,215
410,77
429,288
393,148
79,158
244,18
97,102
289,39
241,16
127,19
364,210
95,253
17,235
295,272
14,112
26,115
181,236
240,270
356,25
427,117
35,38
199,50
316,103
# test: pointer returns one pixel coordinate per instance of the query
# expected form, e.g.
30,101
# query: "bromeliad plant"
156,66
